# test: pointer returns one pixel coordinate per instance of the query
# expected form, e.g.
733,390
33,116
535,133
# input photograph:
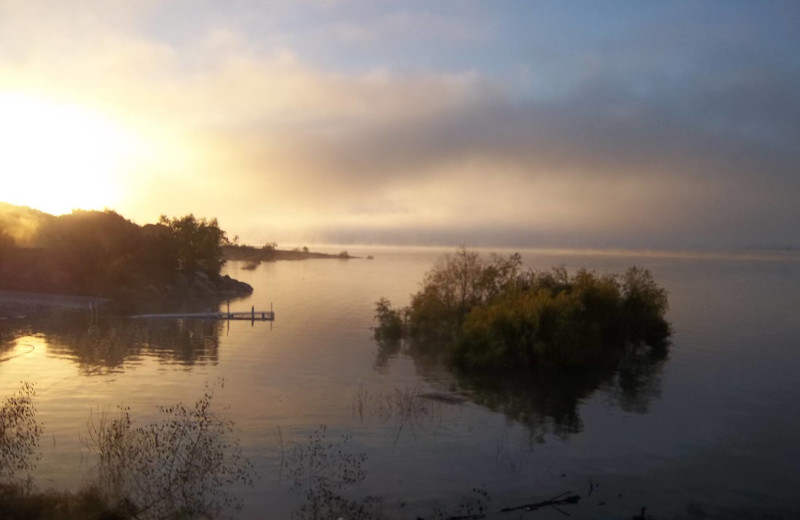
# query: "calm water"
715,423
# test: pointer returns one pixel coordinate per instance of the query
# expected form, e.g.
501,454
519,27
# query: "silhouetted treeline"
270,252
18,225
493,314
102,253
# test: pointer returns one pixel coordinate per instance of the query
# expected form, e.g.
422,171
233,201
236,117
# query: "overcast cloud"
619,124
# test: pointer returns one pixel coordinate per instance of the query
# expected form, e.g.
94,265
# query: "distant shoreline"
271,254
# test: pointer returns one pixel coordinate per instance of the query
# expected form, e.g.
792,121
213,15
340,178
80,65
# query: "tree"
7,243
490,314
6,240
390,324
93,249
198,243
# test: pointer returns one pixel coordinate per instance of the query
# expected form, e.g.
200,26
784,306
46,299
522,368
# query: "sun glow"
57,157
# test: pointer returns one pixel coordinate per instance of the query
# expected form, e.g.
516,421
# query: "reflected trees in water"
547,400
533,344
104,345
323,471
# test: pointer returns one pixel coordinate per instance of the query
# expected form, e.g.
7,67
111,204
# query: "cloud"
663,136
404,25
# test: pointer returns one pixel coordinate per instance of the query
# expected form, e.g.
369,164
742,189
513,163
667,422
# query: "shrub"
179,467
390,324
528,328
644,306
491,314
19,432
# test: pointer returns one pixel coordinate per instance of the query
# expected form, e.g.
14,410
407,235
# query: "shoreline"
34,300
244,253
22,304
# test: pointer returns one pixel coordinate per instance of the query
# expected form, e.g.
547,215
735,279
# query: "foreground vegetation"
183,466
179,467
100,253
478,314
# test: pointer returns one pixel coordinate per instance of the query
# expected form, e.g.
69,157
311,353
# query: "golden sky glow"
502,123
60,156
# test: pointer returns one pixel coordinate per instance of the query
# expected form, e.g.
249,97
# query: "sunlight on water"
714,422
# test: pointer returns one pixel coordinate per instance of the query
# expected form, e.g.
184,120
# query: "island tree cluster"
492,313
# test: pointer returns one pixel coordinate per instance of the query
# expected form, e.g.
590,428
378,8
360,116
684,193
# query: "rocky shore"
195,284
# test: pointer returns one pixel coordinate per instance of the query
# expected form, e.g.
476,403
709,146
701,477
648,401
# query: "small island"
479,314
269,253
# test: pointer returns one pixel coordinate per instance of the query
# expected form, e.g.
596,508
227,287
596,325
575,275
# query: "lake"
710,428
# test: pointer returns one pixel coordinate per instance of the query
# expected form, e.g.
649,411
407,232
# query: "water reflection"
7,337
106,344
387,350
547,400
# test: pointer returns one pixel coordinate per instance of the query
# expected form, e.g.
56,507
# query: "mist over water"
713,422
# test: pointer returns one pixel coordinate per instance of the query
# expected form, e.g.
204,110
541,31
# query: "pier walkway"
252,315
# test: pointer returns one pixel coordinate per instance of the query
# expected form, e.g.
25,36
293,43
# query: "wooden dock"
252,315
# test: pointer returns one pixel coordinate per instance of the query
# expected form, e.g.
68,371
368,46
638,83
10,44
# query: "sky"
624,124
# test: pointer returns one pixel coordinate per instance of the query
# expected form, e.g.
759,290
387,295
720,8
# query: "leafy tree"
390,324
6,240
102,253
7,244
159,253
198,242
93,249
